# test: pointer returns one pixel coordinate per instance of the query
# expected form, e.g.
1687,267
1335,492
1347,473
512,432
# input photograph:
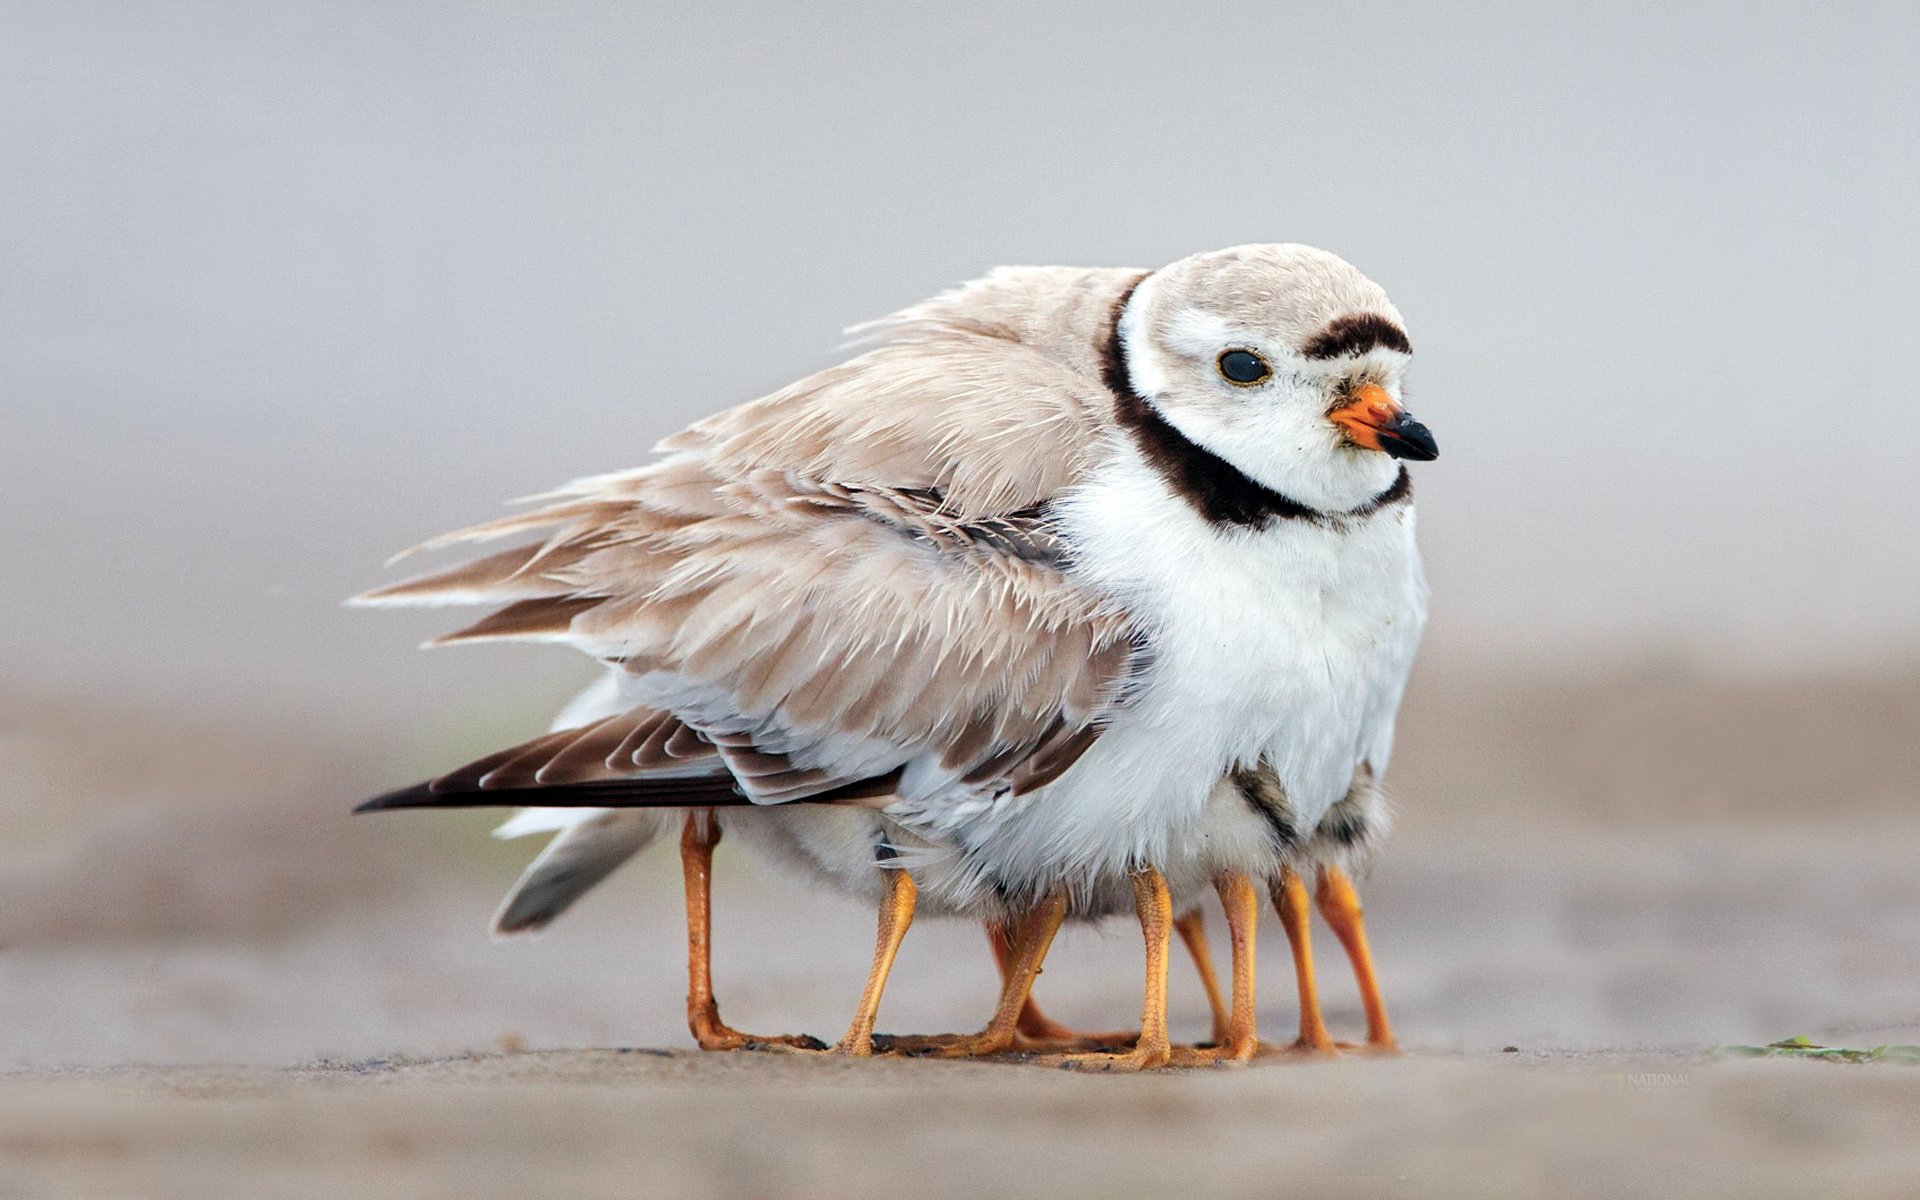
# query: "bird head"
1283,360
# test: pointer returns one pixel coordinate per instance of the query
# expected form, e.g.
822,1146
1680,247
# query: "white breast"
1290,642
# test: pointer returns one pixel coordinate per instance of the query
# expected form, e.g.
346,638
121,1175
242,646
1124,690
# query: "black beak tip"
1409,439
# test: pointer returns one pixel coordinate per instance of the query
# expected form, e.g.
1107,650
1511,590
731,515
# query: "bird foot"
723,1038
1301,1048
1213,1055
1140,1058
917,1043
977,1045
791,1043
989,1043
1046,1033
1069,1041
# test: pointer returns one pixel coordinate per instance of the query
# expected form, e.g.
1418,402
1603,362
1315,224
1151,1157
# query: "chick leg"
697,841
1193,931
1290,902
1037,931
1036,1026
896,915
1034,1029
1154,905
1339,904
1032,1022
1239,1041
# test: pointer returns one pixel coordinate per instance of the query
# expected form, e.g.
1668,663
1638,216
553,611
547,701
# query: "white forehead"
1275,297
1196,333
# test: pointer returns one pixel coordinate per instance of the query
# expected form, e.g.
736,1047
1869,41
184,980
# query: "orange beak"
1371,420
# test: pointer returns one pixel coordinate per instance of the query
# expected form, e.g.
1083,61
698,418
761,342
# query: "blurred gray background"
285,288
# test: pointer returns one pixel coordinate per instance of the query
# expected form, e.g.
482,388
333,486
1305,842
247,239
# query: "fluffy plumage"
852,571
947,575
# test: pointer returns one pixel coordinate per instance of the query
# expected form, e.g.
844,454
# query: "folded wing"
852,583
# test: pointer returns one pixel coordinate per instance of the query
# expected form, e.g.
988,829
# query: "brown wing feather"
865,555
570,768
628,752
490,576
545,617
704,791
471,775
524,784
586,759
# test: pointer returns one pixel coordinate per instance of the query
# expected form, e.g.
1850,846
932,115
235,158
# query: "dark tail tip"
418,796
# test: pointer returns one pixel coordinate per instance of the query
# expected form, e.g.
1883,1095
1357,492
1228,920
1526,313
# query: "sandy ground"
680,1124
212,983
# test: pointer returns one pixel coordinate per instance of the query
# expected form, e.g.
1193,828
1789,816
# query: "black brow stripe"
1357,334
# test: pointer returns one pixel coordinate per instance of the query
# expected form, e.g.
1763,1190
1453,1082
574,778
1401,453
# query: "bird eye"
1243,368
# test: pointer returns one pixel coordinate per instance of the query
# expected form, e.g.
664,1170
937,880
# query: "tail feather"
579,767
591,766
706,791
572,864
529,821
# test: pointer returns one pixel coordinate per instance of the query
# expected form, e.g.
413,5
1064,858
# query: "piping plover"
1034,577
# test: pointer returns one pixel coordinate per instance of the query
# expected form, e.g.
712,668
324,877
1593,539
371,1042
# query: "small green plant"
1802,1047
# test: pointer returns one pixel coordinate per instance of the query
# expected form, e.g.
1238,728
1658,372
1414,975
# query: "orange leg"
1193,931
1340,905
1034,1029
1002,1033
1032,1023
1240,1041
896,915
697,841
1290,901
1038,1027
1154,905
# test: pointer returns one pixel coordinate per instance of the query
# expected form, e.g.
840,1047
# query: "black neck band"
1217,490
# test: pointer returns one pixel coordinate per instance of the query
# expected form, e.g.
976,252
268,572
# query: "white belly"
1290,643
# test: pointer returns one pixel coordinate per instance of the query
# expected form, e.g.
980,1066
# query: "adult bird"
1033,577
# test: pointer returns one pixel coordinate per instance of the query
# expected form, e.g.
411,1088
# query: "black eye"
1243,368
